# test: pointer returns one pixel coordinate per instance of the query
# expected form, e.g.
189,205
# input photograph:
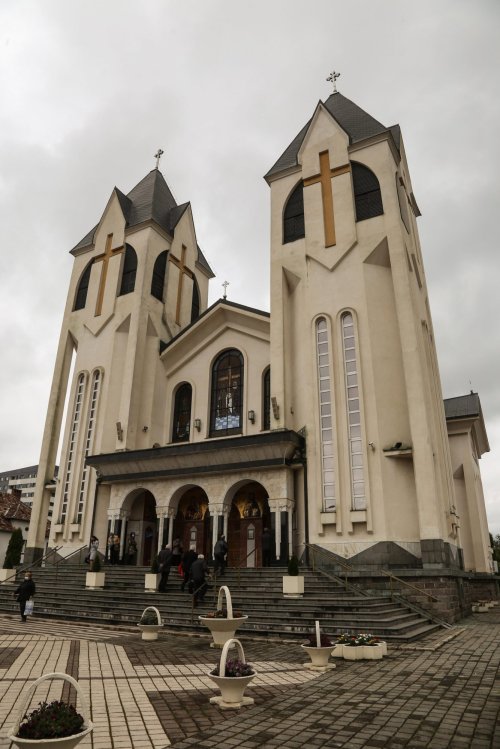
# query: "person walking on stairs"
164,564
24,592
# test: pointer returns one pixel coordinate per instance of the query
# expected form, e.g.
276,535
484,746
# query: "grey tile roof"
357,123
462,406
150,200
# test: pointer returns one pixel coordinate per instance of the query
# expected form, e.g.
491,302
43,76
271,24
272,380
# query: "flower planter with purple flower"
223,623
319,649
232,676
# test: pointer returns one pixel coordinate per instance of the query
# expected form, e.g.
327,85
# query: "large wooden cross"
183,271
105,257
325,179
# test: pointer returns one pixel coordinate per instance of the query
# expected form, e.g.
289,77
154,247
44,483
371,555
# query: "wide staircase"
61,594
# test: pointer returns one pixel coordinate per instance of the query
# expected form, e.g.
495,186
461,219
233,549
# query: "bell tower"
353,359
138,279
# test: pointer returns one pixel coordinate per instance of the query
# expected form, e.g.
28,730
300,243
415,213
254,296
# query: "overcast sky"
90,89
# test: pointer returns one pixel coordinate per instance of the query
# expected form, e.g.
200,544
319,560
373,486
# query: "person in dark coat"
25,590
220,551
164,564
267,543
199,571
176,552
188,558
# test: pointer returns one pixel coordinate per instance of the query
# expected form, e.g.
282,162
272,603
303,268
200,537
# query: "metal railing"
31,566
349,568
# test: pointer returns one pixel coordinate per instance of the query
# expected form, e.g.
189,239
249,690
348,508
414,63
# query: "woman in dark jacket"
25,590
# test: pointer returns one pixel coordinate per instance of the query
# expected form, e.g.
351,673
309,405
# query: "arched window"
158,279
266,399
367,195
351,369
227,394
195,302
83,287
182,413
129,271
293,217
325,416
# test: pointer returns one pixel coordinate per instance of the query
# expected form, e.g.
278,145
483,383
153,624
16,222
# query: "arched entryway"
142,526
192,521
248,517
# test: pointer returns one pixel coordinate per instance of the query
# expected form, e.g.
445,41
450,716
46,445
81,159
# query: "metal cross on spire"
225,285
158,156
333,79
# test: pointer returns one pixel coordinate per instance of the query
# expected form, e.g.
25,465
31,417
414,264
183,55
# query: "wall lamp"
197,424
276,408
119,430
251,416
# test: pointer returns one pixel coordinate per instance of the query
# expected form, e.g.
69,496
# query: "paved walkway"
443,692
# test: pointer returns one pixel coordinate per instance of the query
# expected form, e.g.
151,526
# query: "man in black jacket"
188,558
164,564
25,590
199,571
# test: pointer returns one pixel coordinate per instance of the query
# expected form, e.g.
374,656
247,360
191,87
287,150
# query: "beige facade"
172,407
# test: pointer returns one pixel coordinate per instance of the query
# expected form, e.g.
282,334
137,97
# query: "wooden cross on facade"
183,271
325,179
105,258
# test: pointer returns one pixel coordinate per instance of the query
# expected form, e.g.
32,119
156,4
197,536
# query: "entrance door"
249,514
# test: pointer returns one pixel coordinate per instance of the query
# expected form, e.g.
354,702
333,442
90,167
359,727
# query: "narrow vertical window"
158,278
182,413
351,370
94,394
325,416
367,195
266,396
227,394
75,421
293,216
195,301
83,287
129,271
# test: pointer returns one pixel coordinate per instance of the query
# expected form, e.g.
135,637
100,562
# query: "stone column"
217,510
171,515
124,516
160,514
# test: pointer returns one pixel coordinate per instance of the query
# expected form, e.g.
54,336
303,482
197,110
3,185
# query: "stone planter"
151,581
351,653
319,657
232,688
150,631
293,586
68,742
360,652
8,575
223,630
95,580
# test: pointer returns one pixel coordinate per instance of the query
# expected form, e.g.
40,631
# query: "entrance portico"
197,503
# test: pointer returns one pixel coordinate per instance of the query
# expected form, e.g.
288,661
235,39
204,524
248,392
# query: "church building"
322,421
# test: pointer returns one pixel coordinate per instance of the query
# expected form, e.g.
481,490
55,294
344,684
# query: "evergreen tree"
14,550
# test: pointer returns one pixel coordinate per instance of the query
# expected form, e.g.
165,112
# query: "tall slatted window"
227,394
94,395
325,416
293,217
182,413
367,195
351,370
70,459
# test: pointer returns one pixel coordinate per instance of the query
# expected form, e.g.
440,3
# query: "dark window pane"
227,394
182,413
129,271
158,279
367,196
83,287
293,219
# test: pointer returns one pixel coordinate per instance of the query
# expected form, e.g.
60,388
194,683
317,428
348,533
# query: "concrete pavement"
440,693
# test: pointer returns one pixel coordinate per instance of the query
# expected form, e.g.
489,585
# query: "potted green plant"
319,649
152,578
232,677
150,623
94,579
223,622
12,557
293,583
54,725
